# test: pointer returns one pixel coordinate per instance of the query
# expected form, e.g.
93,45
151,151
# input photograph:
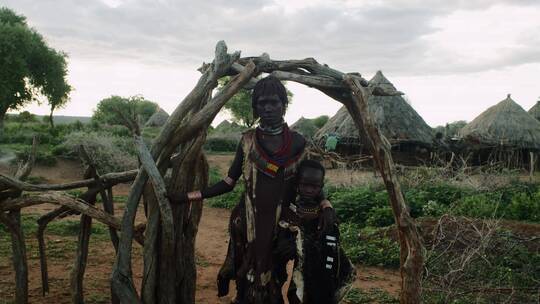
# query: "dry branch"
12,220
108,202
43,221
411,259
167,226
108,180
59,198
170,137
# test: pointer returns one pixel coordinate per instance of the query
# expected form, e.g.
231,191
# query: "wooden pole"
411,259
531,169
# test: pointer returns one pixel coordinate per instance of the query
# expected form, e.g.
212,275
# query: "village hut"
503,134
305,126
225,137
411,138
535,110
158,119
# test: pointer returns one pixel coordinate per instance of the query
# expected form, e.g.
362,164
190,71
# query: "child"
322,273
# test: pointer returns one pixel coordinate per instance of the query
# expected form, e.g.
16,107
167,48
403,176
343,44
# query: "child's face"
310,183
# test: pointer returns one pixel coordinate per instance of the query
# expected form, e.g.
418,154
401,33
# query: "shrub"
368,246
44,158
380,216
525,207
111,153
354,204
221,144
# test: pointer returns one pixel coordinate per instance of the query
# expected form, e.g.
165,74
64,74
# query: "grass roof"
397,120
535,110
504,124
157,119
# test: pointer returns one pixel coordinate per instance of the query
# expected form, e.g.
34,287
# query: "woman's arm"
225,185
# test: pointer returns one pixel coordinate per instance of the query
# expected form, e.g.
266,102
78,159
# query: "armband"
229,181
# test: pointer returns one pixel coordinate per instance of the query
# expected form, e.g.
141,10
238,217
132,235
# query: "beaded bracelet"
194,196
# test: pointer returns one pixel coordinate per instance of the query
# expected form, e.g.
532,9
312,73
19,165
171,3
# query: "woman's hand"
183,198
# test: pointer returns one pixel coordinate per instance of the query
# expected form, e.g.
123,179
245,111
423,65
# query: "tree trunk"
2,117
51,120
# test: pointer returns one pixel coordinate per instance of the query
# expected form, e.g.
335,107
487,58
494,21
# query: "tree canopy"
239,106
131,112
320,121
30,68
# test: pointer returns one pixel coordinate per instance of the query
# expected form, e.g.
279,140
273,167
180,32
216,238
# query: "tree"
320,121
130,112
30,68
239,106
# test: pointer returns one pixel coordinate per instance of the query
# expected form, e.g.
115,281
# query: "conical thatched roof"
305,127
535,110
158,119
228,130
396,119
506,124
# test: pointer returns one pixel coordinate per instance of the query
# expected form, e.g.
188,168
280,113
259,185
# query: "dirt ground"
211,248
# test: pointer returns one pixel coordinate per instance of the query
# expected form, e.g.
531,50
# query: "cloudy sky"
453,59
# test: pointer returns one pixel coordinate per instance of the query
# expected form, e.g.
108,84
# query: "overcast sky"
453,59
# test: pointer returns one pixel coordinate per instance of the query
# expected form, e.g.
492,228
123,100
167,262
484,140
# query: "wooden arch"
169,238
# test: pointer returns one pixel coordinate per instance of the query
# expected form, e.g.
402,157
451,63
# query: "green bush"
354,204
44,158
369,246
111,153
479,206
369,206
525,207
380,216
221,144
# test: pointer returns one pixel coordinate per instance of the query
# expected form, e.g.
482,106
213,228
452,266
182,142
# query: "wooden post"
531,169
411,259
12,220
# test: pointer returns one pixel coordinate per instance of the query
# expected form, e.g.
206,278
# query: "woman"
267,158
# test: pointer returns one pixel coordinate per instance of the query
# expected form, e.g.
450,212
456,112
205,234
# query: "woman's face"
270,110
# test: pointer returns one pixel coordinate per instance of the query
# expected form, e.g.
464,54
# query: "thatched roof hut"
227,130
505,124
396,119
535,110
305,127
158,119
